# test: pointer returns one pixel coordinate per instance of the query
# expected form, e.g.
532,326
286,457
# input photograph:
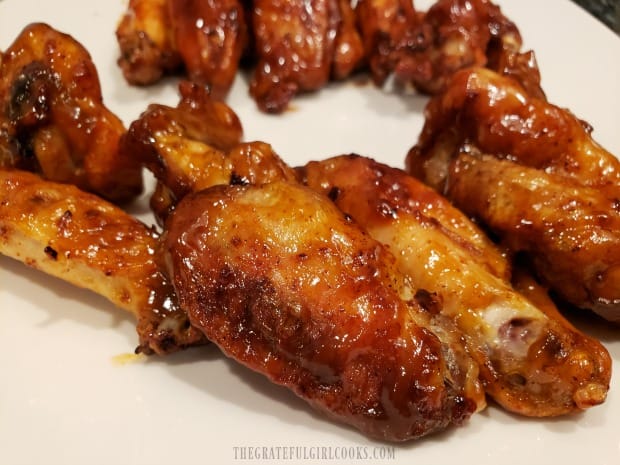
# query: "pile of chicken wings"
394,300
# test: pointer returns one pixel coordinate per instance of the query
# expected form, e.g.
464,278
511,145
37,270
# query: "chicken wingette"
570,233
86,241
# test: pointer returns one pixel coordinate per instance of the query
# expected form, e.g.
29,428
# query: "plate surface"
65,398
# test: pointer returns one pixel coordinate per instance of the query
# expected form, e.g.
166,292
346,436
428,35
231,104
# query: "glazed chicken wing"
517,369
530,363
210,37
297,43
197,145
498,116
207,37
84,240
570,233
425,49
146,42
561,208
53,120
284,283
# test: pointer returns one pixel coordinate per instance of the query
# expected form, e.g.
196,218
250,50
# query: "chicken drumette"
53,120
300,45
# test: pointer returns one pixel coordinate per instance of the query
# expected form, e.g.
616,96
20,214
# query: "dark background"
608,11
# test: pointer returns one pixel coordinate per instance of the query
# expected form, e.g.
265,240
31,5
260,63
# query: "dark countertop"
608,11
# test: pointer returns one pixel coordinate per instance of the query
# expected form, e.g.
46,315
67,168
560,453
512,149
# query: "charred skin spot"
237,180
334,193
29,102
429,301
28,108
50,252
63,222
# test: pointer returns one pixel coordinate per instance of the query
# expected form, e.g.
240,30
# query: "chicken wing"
530,363
425,49
206,37
86,241
53,120
297,43
570,233
284,283
146,42
197,145
469,264
482,111
211,37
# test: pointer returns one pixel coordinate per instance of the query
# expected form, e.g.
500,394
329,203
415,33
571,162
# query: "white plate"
64,399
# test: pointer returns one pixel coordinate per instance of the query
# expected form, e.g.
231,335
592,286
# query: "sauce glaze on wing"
206,38
548,189
286,284
53,120
425,49
86,241
532,362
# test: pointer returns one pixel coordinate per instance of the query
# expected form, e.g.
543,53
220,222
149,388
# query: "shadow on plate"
276,401
80,305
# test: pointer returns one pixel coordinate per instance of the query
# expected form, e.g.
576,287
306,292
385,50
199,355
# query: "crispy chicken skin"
197,145
560,180
284,283
146,42
531,362
53,120
299,45
210,36
86,241
294,45
425,49
570,233
207,38
496,114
